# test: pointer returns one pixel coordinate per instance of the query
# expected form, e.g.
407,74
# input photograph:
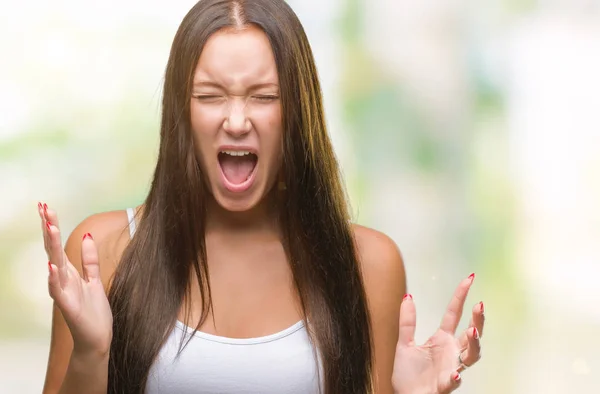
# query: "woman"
241,272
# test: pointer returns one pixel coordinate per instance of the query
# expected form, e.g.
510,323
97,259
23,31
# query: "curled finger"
449,382
472,353
479,318
43,227
57,255
477,321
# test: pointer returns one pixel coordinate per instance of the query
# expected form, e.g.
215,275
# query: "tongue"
237,168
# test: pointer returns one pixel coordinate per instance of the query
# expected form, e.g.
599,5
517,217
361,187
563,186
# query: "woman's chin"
238,202
236,206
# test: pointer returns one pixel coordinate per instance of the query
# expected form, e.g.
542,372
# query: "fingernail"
48,224
472,276
475,333
49,267
45,207
39,205
457,377
86,235
481,306
407,296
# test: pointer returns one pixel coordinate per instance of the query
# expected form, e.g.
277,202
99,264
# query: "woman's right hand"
80,298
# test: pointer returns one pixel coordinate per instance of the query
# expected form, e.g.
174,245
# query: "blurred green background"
467,131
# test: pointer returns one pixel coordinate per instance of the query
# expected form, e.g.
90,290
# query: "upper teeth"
235,152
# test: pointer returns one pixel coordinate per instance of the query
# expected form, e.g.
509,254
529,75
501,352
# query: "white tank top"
281,363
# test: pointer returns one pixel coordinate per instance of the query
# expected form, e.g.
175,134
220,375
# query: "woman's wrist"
89,357
87,372
414,391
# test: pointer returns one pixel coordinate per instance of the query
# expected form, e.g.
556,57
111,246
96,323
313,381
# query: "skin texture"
382,266
235,102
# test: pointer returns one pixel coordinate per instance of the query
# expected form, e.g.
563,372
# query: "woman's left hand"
435,367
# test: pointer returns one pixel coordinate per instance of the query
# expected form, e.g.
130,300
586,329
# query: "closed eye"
265,98
206,97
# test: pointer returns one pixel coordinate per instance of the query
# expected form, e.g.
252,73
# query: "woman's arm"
385,285
86,373
78,371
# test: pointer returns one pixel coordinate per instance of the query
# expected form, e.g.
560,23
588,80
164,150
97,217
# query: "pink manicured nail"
45,207
475,333
407,296
39,205
472,276
457,377
86,235
48,224
49,267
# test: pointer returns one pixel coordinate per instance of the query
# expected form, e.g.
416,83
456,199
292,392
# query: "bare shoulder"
380,257
110,231
385,285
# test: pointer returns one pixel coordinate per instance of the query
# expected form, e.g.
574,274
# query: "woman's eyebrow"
255,86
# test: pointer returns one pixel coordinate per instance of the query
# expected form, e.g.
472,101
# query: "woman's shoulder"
110,231
381,263
377,249
385,285
103,226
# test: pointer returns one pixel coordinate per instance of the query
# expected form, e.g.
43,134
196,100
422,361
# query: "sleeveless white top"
281,363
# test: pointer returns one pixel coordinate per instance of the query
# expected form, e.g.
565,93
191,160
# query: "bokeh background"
469,131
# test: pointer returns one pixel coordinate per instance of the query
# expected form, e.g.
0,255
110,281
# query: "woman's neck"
262,218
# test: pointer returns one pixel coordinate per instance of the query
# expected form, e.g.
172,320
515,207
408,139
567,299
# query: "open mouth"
237,166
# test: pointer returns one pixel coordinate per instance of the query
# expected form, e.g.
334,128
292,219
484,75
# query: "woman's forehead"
237,58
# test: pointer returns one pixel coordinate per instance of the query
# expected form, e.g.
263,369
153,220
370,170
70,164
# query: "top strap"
131,220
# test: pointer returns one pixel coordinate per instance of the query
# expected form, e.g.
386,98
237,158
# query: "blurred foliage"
116,173
389,130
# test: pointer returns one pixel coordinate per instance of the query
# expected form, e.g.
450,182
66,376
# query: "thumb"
408,321
53,281
89,259
449,383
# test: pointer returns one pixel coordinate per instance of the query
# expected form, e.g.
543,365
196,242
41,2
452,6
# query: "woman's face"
236,117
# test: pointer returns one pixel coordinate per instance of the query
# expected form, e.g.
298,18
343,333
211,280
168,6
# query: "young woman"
241,272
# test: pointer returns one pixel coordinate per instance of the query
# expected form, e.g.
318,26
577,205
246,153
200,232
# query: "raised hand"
434,367
81,299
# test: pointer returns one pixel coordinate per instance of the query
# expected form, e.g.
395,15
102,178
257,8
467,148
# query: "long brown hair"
153,279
